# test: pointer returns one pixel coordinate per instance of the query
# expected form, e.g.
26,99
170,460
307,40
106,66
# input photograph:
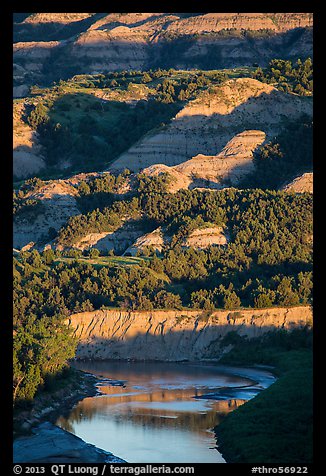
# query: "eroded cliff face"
94,42
215,134
174,335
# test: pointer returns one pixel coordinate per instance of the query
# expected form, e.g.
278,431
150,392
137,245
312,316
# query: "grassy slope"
275,426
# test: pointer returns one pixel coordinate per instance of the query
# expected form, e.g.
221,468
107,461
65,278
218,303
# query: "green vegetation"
284,158
86,122
288,77
87,133
99,192
110,219
42,342
23,204
267,262
275,426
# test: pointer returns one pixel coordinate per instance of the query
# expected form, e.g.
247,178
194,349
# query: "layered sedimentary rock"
212,22
118,240
229,166
204,237
199,238
224,123
63,18
174,335
119,41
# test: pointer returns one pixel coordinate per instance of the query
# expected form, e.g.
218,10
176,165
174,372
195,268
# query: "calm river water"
156,416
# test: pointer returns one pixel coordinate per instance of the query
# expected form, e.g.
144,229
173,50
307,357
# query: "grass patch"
106,260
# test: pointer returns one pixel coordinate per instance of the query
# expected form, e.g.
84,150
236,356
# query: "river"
161,412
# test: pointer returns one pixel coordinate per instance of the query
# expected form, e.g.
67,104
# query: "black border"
6,32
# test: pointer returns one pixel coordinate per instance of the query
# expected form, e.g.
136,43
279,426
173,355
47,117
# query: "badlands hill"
208,144
50,46
212,139
58,201
27,156
301,184
199,238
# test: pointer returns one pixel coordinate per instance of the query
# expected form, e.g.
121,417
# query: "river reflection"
154,417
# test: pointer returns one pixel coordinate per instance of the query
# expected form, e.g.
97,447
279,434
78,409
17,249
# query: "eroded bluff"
174,335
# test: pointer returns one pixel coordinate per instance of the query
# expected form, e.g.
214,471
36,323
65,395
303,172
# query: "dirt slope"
174,335
118,240
301,184
155,239
59,202
205,125
204,237
227,167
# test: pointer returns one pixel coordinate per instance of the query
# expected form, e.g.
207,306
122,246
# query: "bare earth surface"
301,184
58,199
120,41
216,133
174,335
27,158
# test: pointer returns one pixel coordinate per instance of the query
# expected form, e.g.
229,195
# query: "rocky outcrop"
199,239
55,18
301,184
213,22
118,240
51,444
31,56
174,335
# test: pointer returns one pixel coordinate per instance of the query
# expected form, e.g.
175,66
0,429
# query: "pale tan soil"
35,50
301,184
125,41
27,158
202,171
212,22
200,239
58,198
174,335
155,239
118,240
124,19
204,237
56,17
